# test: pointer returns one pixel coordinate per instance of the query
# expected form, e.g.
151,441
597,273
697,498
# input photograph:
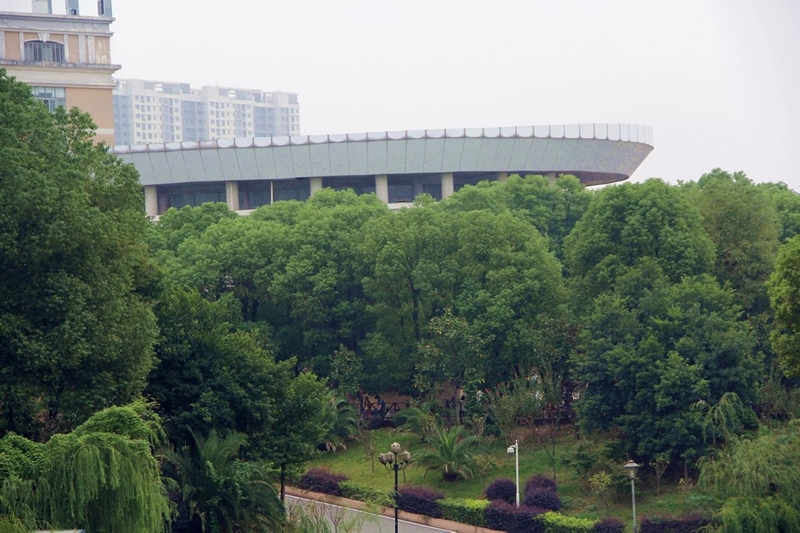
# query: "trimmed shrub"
559,523
362,492
508,517
684,524
545,499
540,482
502,489
420,500
609,524
321,480
471,512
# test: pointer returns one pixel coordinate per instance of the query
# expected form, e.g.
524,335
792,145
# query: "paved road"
352,520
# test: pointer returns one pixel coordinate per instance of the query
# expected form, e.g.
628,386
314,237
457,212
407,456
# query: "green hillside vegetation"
578,494
661,319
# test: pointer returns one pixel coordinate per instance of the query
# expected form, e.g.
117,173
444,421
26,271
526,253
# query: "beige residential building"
147,111
65,58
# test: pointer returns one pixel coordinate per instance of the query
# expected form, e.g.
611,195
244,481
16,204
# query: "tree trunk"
283,482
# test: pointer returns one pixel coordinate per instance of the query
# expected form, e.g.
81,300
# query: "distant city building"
66,59
163,112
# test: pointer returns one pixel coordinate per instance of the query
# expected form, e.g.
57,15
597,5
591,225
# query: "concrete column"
382,187
447,184
551,178
232,195
315,185
502,176
151,200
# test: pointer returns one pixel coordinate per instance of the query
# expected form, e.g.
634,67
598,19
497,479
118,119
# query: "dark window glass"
44,51
291,190
434,189
401,193
52,97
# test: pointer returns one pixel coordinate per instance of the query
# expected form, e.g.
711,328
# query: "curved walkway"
437,523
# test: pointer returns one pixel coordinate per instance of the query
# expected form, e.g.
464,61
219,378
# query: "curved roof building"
396,166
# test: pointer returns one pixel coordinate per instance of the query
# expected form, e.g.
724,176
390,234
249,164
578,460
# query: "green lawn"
576,494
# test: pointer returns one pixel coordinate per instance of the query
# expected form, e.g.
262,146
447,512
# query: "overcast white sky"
718,80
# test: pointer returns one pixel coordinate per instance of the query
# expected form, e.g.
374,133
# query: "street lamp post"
631,467
394,460
514,450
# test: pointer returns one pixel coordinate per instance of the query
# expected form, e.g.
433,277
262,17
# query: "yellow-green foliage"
18,456
464,511
559,523
136,421
11,524
92,478
363,492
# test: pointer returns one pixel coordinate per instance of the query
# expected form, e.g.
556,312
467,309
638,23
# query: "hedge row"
500,514
471,512
685,524
321,480
420,500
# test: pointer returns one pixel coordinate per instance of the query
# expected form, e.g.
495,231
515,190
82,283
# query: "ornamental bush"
609,524
363,492
540,482
321,480
420,500
545,499
502,489
559,523
684,524
504,516
471,512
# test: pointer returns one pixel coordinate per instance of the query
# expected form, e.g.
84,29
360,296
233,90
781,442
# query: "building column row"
315,184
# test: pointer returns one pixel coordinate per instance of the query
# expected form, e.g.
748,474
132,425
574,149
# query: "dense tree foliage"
221,492
630,222
102,476
742,223
76,330
758,480
213,375
652,350
644,303
784,292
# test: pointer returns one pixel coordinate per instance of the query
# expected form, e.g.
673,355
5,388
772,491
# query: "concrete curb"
389,511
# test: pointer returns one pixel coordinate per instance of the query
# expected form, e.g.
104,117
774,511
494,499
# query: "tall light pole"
631,467
394,460
514,450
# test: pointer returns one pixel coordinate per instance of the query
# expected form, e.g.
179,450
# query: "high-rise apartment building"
65,58
161,112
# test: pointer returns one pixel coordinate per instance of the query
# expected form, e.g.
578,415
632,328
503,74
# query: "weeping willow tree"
102,477
759,481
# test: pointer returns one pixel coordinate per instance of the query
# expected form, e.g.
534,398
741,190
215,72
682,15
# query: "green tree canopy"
102,476
784,293
214,375
652,350
626,223
741,221
76,331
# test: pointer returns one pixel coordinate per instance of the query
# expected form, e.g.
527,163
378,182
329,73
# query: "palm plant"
449,453
420,420
221,492
341,420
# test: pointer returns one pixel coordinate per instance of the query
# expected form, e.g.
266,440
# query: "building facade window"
52,97
45,51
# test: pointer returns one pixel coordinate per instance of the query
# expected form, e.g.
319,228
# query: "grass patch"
575,492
